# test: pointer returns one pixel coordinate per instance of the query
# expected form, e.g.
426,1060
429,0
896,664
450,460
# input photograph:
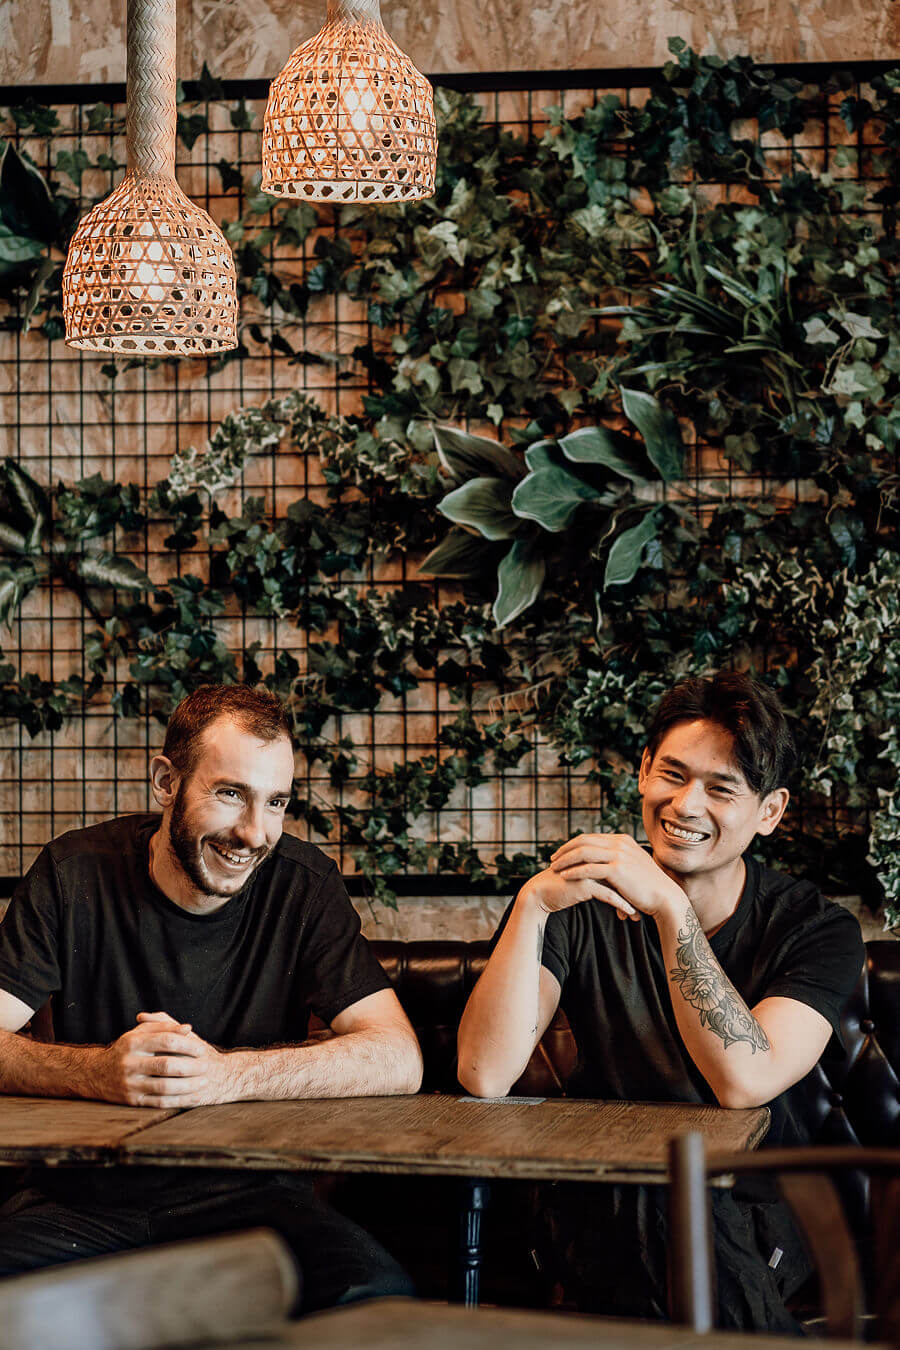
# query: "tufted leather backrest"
855,1098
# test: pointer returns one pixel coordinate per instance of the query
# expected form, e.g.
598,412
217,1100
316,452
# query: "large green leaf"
11,539
660,430
26,206
464,455
106,569
482,503
31,497
15,583
596,445
16,248
543,455
625,555
551,496
461,554
520,576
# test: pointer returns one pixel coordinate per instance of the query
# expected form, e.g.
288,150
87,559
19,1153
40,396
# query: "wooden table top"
51,1130
440,1135
405,1324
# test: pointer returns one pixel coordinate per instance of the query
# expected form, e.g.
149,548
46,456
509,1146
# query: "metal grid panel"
65,420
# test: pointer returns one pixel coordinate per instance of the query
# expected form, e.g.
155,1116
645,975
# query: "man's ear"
643,771
164,780
772,809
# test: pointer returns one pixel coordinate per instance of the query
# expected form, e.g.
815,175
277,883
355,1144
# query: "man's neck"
714,896
168,877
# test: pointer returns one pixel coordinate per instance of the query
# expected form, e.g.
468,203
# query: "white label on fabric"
776,1256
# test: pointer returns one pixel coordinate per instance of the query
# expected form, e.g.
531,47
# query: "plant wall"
631,413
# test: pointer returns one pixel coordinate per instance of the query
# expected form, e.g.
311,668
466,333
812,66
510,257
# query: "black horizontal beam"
479,81
425,884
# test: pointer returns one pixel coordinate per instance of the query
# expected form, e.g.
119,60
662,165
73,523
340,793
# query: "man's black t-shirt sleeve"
29,947
339,966
821,965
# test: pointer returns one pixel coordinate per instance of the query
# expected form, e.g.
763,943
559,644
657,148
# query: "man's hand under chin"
617,870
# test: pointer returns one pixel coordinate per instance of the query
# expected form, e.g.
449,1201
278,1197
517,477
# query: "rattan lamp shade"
148,272
350,118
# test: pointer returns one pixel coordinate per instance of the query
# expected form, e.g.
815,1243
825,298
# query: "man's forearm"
35,1069
724,1039
371,1063
499,1027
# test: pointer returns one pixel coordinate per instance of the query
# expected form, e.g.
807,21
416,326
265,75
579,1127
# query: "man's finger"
181,1027
611,897
173,1066
169,1043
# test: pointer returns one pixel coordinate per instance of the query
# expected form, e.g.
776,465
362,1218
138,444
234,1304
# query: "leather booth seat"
856,1095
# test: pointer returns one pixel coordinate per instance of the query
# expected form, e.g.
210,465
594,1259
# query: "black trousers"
70,1215
606,1248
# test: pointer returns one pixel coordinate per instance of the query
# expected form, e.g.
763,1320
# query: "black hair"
748,710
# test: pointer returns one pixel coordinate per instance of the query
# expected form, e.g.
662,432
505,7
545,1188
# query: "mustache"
224,841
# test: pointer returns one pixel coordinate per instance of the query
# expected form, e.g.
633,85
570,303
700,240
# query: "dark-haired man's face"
699,811
228,815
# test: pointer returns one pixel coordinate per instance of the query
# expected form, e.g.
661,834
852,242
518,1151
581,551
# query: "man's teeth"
236,858
689,836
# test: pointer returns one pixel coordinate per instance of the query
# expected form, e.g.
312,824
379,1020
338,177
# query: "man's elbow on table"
481,1083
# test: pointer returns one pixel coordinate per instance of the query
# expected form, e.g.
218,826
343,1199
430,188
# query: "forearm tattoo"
706,987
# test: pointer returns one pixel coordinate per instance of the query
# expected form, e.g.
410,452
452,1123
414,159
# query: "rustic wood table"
549,1139
401,1324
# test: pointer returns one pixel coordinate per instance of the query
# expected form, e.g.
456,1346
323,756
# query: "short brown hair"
256,711
750,711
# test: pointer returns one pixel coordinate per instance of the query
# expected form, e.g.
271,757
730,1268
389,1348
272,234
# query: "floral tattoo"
706,987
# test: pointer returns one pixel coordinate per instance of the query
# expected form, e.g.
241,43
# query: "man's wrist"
529,900
673,908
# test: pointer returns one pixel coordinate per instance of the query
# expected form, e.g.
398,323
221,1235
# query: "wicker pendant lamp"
148,271
350,118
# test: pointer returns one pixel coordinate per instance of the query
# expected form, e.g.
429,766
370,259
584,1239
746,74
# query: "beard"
187,847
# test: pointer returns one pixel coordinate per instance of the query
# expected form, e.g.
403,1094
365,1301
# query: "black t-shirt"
89,929
782,939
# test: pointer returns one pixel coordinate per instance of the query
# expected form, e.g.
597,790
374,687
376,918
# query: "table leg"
473,1201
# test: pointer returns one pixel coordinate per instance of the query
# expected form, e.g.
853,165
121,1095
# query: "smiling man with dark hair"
183,953
688,972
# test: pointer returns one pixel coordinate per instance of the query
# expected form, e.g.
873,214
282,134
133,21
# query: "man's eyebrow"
720,777
246,788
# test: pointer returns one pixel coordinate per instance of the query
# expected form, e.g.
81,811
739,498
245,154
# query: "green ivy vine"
620,308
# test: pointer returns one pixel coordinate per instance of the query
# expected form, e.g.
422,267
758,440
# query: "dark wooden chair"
209,1291
805,1178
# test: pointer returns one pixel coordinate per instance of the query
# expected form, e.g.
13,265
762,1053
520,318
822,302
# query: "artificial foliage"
630,287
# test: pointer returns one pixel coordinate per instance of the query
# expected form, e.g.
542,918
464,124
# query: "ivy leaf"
208,87
230,176
816,330
551,496
628,548
596,445
462,455
74,163
461,554
520,576
857,325
483,503
26,206
107,569
660,430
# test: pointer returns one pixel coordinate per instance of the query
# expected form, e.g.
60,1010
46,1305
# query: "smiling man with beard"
183,954
688,972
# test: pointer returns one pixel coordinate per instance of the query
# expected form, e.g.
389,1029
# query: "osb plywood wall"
75,41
